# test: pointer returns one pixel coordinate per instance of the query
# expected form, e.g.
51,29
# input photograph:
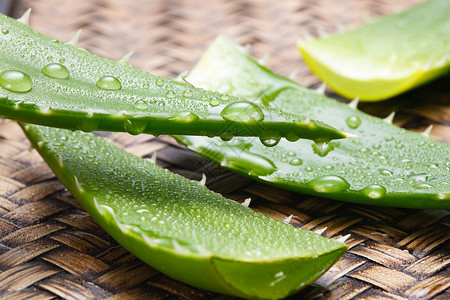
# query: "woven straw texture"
50,248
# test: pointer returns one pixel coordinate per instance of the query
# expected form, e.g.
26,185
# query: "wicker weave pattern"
50,247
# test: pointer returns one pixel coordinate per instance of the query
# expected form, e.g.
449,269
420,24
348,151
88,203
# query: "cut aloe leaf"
386,57
47,82
180,227
386,165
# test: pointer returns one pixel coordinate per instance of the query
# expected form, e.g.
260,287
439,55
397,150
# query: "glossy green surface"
385,57
57,84
180,227
385,165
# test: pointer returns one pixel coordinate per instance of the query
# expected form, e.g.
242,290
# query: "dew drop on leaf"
185,117
226,136
242,111
270,142
15,81
134,127
188,93
141,105
423,186
270,139
296,162
328,184
109,83
374,191
353,122
55,70
214,101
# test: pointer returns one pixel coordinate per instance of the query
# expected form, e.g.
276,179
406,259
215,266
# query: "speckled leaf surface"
385,165
180,227
385,57
52,83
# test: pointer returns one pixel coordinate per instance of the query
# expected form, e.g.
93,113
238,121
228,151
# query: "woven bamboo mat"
50,248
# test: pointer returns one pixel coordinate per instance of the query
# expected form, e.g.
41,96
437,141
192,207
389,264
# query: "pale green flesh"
138,102
179,226
413,169
386,57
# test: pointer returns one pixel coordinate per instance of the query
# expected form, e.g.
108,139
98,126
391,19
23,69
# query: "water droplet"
419,177
385,172
140,104
328,184
270,139
292,137
322,149
224,97
374,191
134,127
5,31
214,101
364,150
185,117
15,81
226,136
242,111
55,70
109,83
270,142
159,82
170,94
423,186
353,122
296,162
188,93
247,162
290,153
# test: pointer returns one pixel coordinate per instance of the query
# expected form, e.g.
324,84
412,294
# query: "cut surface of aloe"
385,165
52,83
180,227
385,57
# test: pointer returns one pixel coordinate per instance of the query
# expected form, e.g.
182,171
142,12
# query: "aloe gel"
385,57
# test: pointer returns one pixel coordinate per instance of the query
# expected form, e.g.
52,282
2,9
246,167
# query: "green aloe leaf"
385,165
180,227
385,57
47,82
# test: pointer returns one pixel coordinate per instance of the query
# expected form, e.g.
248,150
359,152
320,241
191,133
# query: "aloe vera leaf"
180,227
386,165
47,82
386,57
